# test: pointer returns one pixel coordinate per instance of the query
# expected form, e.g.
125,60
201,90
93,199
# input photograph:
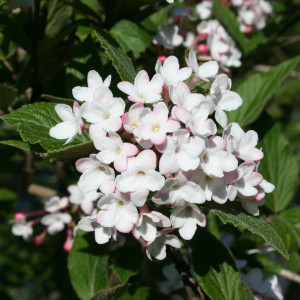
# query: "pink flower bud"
162,58
202,48
39,239
249,29
19,216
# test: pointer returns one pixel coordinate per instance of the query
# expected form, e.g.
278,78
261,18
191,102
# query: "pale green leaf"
17,144
8,96
111,293
215,269
279,167
88,266
119,58
257,90
7,195
131,37
232,213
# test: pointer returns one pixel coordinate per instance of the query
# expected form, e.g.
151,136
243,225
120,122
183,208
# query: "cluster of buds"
160,152
57,214
210,39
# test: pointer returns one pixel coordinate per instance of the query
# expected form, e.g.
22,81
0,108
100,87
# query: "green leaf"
88,266
85,58
126,261
287,225
141,293
154,21
232,213
8,96
34,121
17,144
12,31
131,37
120,60
215,269
55,99
7,195
229,20
111,293
257,89
280,168
58,16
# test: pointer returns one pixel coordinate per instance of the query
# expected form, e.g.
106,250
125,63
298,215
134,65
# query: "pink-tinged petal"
84,164
107,156
217,143
254,179
173,241
168,163
120,163
82,93
188,230
219,190
141,79
102,235
89,181
232,192
267,186
146,144
127,182
254,154
64,112
139,197
164,221
199,216
160,112
180,114
76,109
126,87
102,142
94,80
251,207
184,73
158,138
107,218
146,159
171,65
124,226
130,149
107,187
171,126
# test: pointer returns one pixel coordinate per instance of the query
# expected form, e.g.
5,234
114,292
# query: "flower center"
155,129
121,203
107,117
133,126
101,168
141,173
119,150
207,178
205,158
176,187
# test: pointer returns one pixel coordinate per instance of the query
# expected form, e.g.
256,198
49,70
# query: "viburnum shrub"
161,152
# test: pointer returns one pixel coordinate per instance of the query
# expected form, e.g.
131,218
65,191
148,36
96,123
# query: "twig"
42,191
191,286
289,275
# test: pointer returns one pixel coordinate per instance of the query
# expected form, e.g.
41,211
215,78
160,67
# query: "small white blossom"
168,37
22,228
56,222
55,203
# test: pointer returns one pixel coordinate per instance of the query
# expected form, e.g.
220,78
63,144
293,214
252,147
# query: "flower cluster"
160,152
57,214
210,39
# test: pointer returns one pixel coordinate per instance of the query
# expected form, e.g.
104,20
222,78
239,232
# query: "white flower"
55,203
184,101
116,211
179,192
168,37
140,174
22,228
86,201
114,150
247,181
131,119
263,188
56,222
170,72
199,123
215,160
157,248
223,99
154,125
104,110
242,144
205,71
95,175
187,218
204,9
143,90
102,234
71,125
181,152
146,226
94,81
